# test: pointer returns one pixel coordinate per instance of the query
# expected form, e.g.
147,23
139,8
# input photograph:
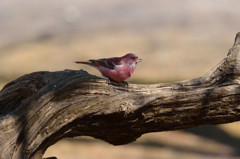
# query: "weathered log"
39,109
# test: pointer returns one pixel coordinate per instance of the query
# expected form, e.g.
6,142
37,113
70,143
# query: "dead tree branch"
39,109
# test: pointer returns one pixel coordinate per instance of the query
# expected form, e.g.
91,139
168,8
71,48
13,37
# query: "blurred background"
177,40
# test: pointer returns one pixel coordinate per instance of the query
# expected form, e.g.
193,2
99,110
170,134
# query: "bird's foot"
118,84
123,84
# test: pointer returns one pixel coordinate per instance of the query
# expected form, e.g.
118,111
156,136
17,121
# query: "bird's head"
131,58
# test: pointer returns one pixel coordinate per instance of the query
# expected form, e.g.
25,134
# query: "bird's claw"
123,84
118,84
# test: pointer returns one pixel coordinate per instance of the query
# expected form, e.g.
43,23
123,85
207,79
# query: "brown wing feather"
109,63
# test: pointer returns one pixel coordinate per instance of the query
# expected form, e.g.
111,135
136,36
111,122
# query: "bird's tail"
86,63
83,62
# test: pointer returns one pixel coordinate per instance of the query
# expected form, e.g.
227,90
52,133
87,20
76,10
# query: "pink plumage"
116,69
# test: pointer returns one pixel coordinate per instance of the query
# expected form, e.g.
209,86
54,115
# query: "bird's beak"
139,60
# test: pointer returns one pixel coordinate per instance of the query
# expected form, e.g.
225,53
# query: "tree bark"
39,109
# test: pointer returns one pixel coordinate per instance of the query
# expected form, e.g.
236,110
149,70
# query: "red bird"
117,69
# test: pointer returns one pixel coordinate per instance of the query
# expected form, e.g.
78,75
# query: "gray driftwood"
39,109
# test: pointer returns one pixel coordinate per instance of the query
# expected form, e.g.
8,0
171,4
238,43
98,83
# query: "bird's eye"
132,58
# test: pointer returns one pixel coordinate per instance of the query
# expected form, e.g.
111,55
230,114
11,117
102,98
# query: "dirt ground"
166,145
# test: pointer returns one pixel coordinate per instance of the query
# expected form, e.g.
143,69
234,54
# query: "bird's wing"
108,63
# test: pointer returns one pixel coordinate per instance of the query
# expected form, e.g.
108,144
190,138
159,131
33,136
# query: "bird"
116,69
